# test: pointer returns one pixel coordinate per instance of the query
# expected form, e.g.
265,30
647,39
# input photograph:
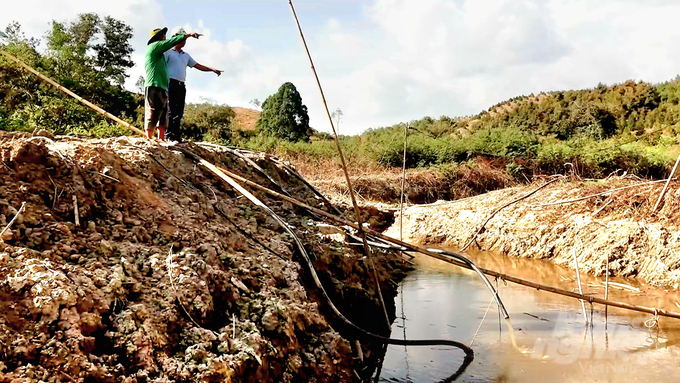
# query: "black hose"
469,353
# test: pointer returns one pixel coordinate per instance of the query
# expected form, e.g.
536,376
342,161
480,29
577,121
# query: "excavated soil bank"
95,302
619,225
422,186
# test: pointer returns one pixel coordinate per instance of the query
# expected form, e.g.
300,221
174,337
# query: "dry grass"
635,203
246,119
379,184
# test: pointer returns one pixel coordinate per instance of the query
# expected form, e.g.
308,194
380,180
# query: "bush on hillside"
208,122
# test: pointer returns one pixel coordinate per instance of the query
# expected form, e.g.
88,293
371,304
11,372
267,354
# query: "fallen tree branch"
471,241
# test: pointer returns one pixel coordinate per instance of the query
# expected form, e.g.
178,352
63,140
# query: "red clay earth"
94,302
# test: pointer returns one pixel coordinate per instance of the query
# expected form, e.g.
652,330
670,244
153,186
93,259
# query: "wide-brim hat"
155,33
179,31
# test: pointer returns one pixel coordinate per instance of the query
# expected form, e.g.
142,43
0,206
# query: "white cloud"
457,57
35,17
404,59
245,75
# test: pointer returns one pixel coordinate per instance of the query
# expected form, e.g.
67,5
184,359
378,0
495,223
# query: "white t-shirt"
177,63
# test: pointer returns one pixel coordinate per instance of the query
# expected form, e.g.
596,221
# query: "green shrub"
208,122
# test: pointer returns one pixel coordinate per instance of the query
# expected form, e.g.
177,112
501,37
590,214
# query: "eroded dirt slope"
95,302
620,226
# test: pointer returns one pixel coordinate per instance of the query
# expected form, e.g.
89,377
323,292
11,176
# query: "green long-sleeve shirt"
154,62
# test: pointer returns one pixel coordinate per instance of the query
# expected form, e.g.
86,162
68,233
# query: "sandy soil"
620,226
95,301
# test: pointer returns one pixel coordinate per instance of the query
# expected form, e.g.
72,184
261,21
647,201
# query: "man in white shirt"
177,62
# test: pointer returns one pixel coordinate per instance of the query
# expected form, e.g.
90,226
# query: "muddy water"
551,341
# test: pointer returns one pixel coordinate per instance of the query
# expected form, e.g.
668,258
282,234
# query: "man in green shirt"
156,83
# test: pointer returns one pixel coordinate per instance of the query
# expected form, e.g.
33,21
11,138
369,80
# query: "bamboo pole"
357,211
438,255
68,92
606,291
403,182
580,288
665,188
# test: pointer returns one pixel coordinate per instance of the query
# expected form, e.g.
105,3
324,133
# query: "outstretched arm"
207,69
171,42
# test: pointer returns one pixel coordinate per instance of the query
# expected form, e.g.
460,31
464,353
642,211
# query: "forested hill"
632,126
632,110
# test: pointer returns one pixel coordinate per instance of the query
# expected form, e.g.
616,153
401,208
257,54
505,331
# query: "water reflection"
553,343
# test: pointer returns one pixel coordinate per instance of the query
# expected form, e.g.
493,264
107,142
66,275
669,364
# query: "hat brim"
155,37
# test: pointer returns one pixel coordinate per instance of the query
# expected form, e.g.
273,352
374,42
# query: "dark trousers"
177,92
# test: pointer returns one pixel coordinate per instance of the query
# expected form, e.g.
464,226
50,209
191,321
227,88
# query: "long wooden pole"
70,93
606,291
434,254
403,183
665,188
357,211
580,288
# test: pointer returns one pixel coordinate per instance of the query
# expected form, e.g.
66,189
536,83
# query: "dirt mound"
162,279
620,226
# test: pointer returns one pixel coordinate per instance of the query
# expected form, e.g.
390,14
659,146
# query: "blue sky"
389,61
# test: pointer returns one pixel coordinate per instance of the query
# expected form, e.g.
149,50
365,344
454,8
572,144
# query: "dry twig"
75,210
602,208
13,219
665,188
472,240
598,194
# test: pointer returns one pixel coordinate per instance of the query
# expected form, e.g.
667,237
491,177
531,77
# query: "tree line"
630,126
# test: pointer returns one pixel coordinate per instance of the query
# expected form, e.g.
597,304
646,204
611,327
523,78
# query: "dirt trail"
639,243
94,302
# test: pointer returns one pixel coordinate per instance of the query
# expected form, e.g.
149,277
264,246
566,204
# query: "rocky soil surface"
621,226
147,280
